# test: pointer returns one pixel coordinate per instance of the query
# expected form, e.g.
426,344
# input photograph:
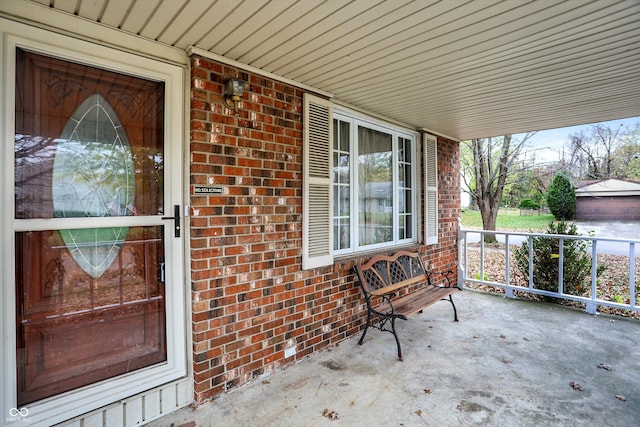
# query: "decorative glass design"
93,176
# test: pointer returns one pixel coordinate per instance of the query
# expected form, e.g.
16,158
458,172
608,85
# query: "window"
360,184
373,185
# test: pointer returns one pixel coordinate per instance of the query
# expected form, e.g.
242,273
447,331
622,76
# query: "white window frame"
76,402
356,120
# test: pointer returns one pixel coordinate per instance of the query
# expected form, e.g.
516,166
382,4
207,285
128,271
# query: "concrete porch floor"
506,363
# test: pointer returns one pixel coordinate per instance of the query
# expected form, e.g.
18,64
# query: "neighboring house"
609,199
378,197
166,239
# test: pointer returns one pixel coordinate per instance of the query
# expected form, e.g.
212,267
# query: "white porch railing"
511,285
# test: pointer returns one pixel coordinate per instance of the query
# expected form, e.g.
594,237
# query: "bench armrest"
444,274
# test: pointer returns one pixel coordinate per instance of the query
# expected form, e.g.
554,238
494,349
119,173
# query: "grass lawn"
508,219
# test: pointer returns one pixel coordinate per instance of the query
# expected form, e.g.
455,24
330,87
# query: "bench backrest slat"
398,285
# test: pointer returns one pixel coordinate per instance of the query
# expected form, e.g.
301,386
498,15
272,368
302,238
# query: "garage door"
624,208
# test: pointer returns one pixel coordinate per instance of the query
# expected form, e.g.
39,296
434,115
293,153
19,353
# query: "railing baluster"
632,274
561,266
507,263
482,257
462,248
530,242
592,307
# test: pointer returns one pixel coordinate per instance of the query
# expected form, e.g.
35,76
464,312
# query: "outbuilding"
609,199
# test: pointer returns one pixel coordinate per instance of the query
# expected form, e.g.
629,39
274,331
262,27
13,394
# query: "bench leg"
455,312
395,335
365,327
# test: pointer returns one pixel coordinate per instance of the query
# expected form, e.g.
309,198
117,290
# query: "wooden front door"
90,249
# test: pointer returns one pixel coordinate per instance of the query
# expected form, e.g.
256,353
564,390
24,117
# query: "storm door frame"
76,402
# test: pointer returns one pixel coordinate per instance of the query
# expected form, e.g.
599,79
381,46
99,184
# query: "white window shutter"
317,233
430,148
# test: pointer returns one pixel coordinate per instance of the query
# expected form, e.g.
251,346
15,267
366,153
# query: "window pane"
406,173
401,150
341,201
406,202
344,197
341,185
342,234
405,185
401,175
340,168
405,226
407,150
344,136
375,201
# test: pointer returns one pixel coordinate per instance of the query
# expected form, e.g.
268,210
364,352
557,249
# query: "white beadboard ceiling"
465,69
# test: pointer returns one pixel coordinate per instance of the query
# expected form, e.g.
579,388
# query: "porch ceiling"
465,69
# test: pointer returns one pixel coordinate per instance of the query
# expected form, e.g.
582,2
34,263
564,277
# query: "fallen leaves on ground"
605,367
576,386
332,415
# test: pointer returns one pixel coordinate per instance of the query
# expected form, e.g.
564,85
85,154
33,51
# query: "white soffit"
466,69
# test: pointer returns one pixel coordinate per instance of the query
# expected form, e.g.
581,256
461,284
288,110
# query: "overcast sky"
548,144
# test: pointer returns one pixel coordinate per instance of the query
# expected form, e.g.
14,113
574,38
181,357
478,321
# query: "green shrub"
528,204
546,255
485,278
561,198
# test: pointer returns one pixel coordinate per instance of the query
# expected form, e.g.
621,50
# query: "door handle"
176,219
161,272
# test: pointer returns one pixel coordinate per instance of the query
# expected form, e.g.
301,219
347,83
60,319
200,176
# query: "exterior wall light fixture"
234,89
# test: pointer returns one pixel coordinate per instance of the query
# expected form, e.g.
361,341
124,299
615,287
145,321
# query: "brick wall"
250,298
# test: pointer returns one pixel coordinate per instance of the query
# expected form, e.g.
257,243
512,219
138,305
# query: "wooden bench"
383,277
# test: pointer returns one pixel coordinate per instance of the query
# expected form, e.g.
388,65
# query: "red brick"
251,294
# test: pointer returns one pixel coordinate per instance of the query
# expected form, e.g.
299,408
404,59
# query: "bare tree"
626,158
486,171
626,163
592,154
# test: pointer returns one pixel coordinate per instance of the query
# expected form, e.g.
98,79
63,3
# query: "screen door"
90,248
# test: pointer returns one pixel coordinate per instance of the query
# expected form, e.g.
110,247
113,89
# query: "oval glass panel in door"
93,176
